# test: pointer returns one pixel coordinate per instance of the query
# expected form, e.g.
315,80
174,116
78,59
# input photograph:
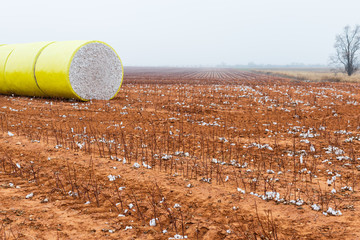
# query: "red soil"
65,152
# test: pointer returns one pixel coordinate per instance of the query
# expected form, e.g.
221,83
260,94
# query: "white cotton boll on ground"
30,195
312,148
241,190
95,72
334,212
111,178
178,236
153,222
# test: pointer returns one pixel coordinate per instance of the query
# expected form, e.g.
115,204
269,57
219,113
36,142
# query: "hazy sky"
187,32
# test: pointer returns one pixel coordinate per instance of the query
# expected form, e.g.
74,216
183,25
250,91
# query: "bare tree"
347,46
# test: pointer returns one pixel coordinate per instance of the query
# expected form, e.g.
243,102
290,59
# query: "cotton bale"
82,70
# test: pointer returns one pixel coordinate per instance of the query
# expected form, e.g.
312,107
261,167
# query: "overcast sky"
187,32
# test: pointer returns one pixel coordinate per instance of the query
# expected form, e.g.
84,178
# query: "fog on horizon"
188,33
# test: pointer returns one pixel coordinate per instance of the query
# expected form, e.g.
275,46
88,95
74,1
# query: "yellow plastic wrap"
20,69
52,69
53,65
43,69
5,51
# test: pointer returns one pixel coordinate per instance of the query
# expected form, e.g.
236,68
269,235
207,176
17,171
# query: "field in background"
311,74
201,153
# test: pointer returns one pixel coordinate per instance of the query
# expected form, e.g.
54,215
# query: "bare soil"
184,153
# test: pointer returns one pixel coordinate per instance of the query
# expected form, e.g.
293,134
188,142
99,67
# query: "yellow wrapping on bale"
5,51
53,76
20,69
82,70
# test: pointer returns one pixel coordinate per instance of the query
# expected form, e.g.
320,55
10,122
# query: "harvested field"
311,75
184,153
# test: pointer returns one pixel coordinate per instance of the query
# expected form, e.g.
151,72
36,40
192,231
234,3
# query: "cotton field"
186,154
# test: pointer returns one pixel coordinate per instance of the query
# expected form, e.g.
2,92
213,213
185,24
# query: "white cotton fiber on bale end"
95,72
